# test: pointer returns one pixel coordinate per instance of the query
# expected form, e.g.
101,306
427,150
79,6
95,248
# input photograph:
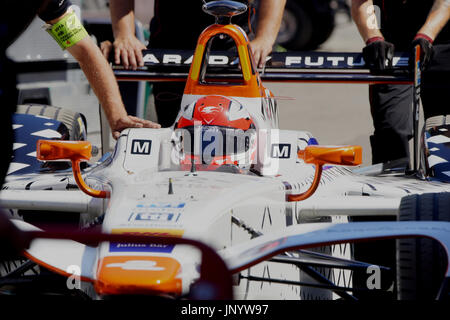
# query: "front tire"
421,263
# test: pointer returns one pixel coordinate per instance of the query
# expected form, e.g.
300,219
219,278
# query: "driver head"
216,130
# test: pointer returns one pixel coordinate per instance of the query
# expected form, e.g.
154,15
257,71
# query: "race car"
274,205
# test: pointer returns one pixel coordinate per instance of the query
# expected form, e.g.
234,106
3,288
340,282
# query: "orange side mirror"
346,156
319,156
48,150
75,151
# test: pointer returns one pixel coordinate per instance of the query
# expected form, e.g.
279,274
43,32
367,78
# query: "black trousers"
391,108
436,83
168,101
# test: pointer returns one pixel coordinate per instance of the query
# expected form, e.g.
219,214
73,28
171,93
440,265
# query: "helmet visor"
210,143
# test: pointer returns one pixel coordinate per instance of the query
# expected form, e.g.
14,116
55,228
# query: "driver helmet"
216,130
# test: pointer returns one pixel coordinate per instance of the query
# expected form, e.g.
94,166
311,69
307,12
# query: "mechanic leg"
435,90
391,108
435,93
167,101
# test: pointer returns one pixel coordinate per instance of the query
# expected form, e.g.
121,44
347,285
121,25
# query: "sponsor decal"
141,265
281,151
164,205
142,147
140,247
152,216
293,60
211,109
183,58
145,247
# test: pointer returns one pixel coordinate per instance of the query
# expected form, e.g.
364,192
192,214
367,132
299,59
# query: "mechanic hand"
378,54
127,51
261,48
426,51
130,122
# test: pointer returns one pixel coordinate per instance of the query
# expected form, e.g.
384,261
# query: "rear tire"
74,121
421,263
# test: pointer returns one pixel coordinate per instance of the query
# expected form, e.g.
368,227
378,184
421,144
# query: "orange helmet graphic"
217,130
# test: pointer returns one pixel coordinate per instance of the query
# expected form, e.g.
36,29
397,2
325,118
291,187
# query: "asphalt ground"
336,114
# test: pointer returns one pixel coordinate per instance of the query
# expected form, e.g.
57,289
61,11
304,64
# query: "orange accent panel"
418,53
178,233
250,87
138,275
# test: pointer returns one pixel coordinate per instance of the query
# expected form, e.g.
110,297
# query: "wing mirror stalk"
75,151
321,155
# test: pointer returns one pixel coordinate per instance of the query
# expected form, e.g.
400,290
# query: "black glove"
378,55
426,51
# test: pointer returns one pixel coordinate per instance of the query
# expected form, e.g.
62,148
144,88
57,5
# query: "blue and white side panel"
28,129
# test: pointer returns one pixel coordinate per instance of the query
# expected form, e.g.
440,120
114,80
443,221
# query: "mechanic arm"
378,54
269,21
100,76
437,19
127,48
365,19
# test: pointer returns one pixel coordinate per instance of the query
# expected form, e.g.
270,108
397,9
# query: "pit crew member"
177,25
404,24
65,27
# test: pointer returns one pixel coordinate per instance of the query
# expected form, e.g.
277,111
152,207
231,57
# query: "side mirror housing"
48,150
346,156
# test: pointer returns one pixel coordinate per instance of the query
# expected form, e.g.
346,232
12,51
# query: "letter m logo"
141,147
281,151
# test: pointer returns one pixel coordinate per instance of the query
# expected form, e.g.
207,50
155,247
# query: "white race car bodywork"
202,205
